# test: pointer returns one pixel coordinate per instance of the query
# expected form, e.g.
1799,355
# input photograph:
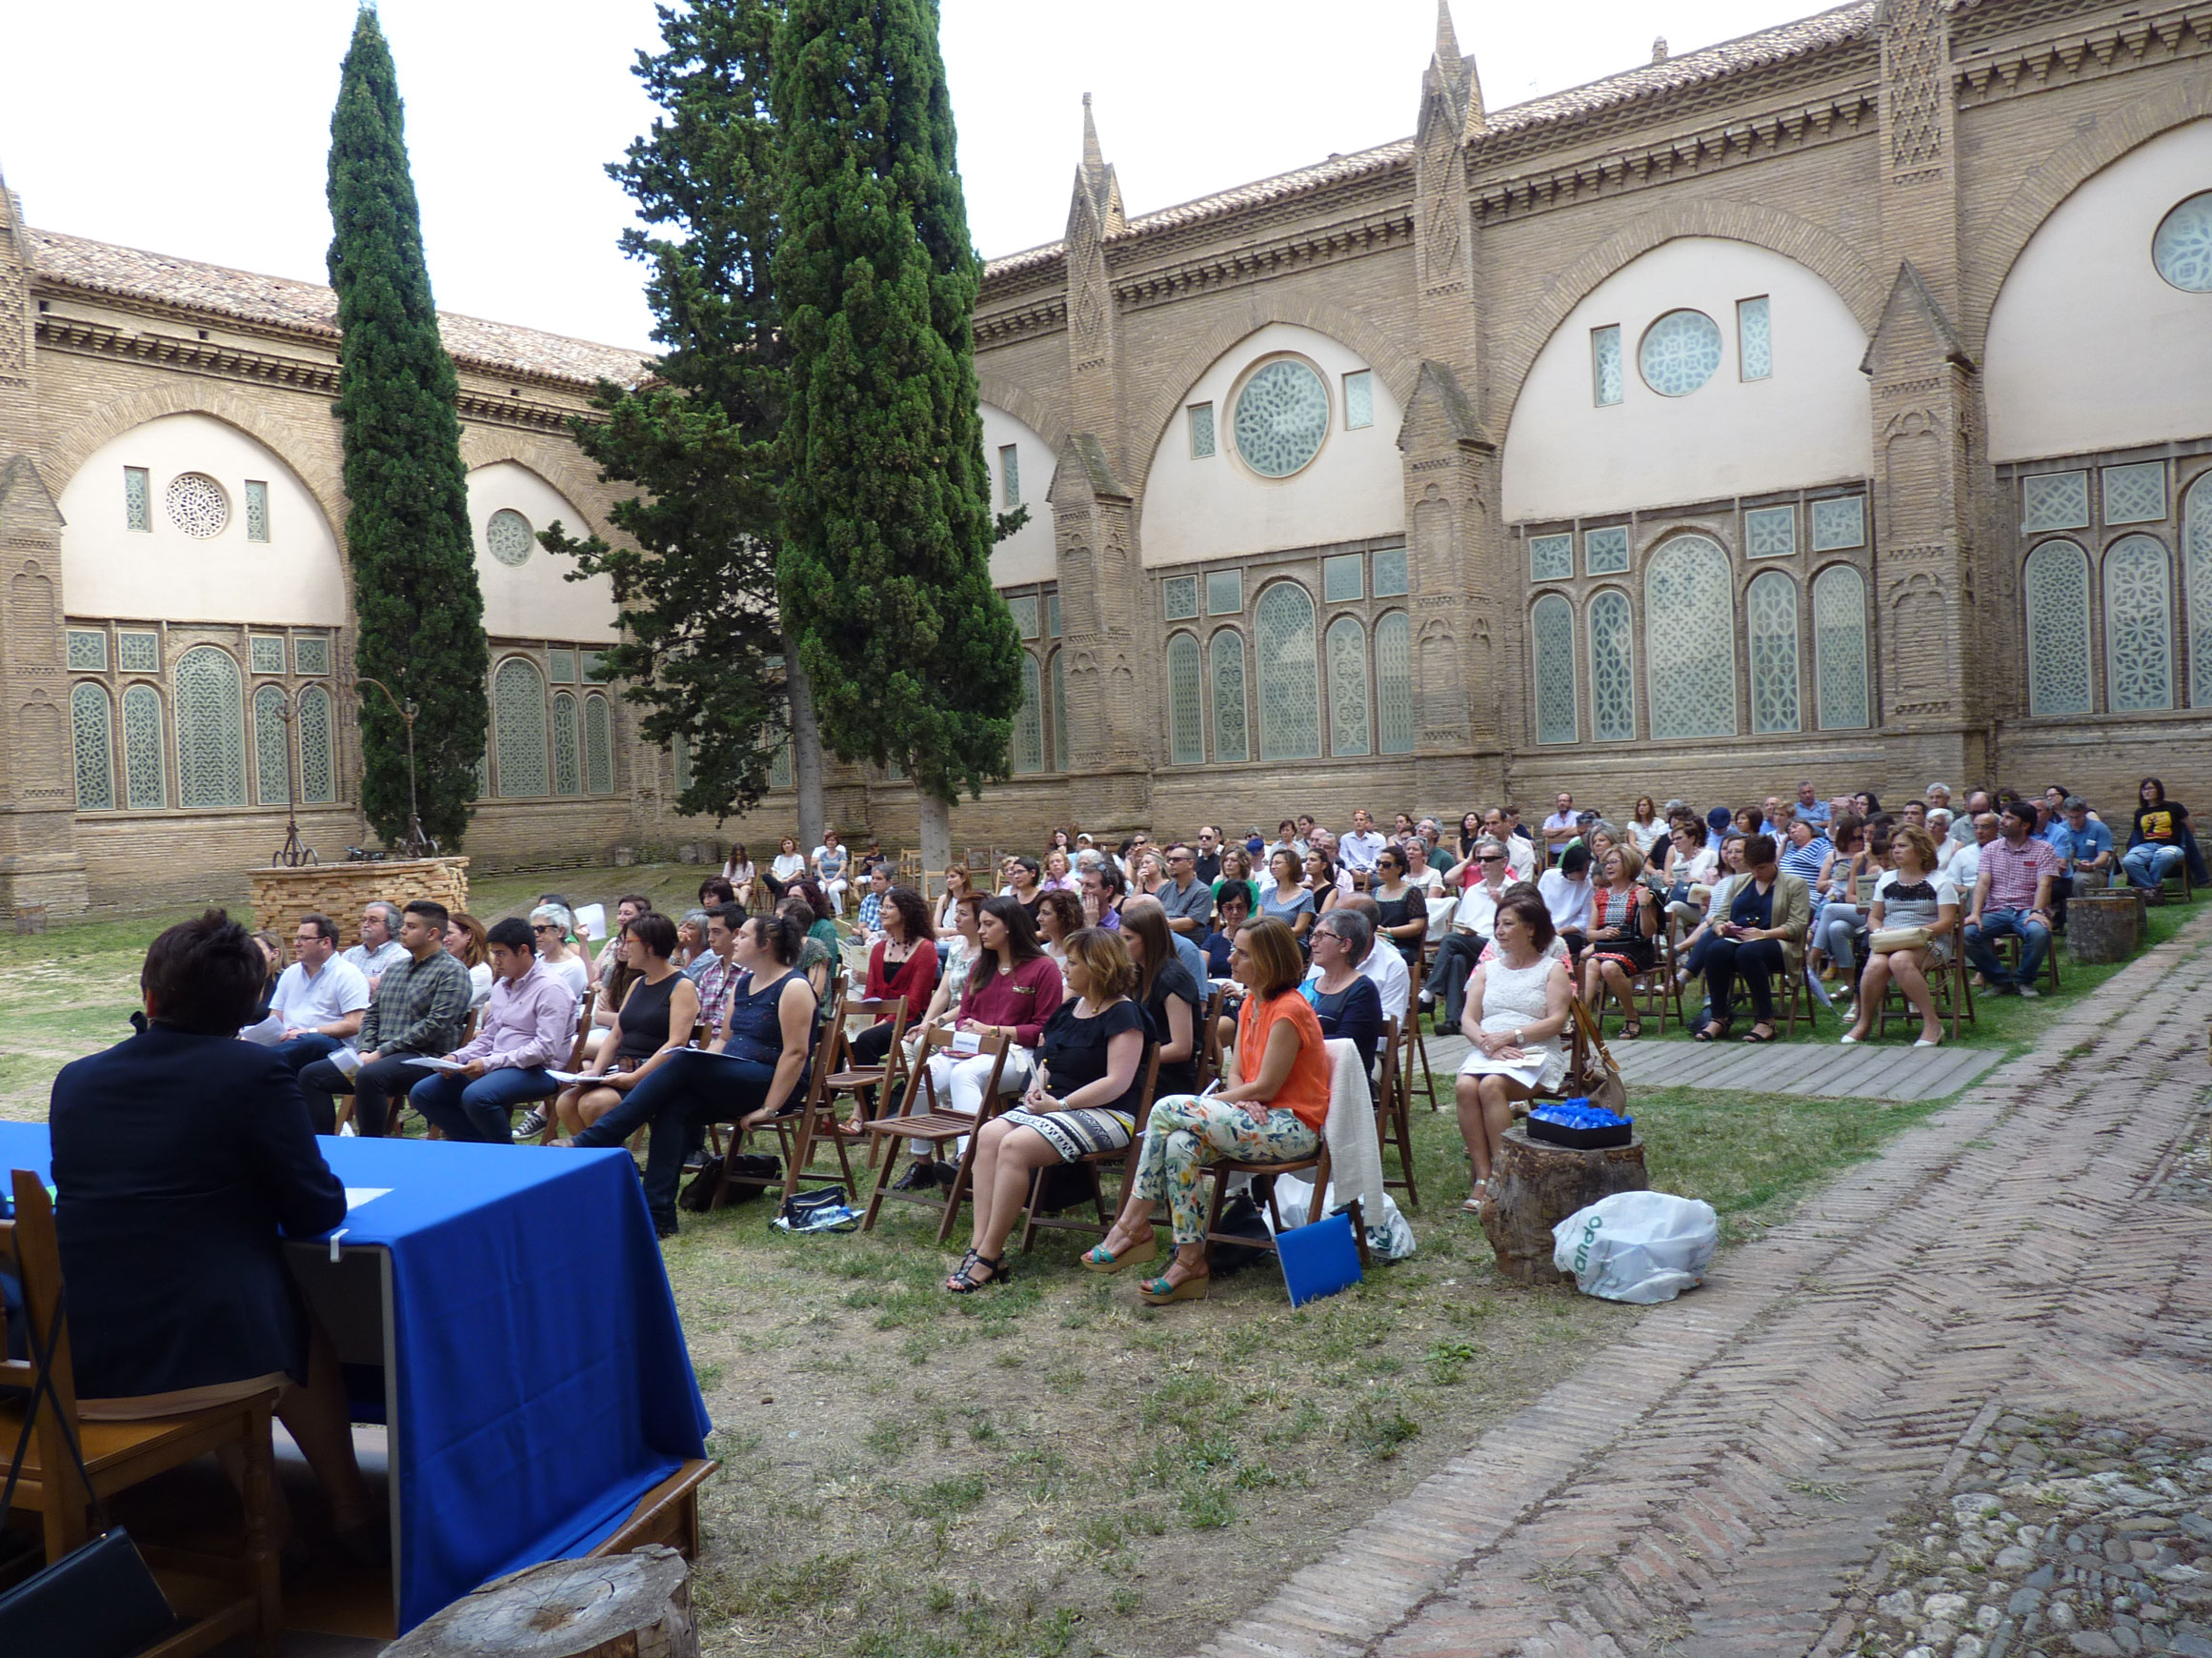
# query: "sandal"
1103,1259
1751,1034
1474,1203
999,1271
1159,1292
960,1272
1712,1030
1633,1029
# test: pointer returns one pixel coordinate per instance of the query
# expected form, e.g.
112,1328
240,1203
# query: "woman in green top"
1236,870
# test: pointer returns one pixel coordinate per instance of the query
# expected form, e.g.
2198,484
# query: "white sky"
201,129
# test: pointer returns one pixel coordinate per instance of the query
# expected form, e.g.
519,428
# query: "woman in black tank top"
655,1019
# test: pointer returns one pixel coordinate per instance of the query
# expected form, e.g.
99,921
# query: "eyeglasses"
545,927
1489,858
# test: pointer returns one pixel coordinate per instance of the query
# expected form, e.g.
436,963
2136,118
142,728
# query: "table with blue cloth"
535,1382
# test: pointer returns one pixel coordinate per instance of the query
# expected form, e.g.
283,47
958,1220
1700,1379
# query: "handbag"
1607,1090
824,1209
99,1601
1890,939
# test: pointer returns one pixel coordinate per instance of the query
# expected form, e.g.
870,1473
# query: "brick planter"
339,890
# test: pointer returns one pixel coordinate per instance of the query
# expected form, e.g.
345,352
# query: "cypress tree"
884,561
419,615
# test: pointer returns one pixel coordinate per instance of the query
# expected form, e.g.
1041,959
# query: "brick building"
1836,402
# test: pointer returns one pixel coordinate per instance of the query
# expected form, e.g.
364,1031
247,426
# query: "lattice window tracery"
144,767
197,505
1232,718
1605,551
2182,248
1770,533
567,757
271,746
1178,599
1605,365
318,748
1689,639
1771,606
598,745
1393,690
2134,495
1343,579
508,538
1680,353
1347,687
1359,399
1058,682
1552,643
92,738
2197,549
88,651
267,651
1186,712
1282,415
1025,752
1551,557
2057,581
1839,522
1290,698
211,737
1612,668
137,501
2139,626
256,511
138,653
1390,572
1839,656
312,654
1202,431
1754,340
518,729
2055,501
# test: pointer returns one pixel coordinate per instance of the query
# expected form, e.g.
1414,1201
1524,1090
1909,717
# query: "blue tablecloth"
543,1383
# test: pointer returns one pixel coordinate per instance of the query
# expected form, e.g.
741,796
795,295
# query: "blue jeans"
303,1051
687,1091
483,1109
2150,863
1982,947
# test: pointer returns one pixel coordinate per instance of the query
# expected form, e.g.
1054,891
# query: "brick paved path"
1715,1483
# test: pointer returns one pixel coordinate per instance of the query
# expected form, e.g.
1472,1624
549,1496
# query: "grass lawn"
1053,1467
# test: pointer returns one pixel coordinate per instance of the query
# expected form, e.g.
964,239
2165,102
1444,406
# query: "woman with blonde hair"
1912,922
465,941
1624,921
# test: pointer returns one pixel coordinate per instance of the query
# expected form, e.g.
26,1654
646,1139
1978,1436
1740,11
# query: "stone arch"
2010,229
1025,407
1818,250
560,465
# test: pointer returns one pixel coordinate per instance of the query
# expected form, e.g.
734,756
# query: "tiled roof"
310,307
1751,51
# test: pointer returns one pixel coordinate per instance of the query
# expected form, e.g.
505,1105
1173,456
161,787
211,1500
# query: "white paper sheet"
357,1196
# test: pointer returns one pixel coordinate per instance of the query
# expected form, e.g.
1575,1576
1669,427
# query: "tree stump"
1535,1184
614,1606
2103,926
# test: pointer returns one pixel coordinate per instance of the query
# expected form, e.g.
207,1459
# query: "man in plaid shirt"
421,1005
720,975
2011,895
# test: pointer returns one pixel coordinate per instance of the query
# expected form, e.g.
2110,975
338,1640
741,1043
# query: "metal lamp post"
292,852
417,844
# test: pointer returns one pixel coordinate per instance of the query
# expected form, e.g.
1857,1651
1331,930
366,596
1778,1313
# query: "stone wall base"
340,890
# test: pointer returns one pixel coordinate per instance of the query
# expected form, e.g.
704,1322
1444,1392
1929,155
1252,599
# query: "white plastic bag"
1388,1237
1637,1246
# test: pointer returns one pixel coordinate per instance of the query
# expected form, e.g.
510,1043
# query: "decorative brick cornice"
2014,69
1019,322
1229,266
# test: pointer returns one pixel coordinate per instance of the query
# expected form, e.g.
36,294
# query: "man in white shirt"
1384,967
319,998
1965,866
1561,827
1362,845
1520,853
1567,894
1461,947
379,947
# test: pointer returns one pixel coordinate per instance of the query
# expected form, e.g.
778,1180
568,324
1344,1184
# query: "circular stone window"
2182,247
507,537
197,505
1282,414
1680,353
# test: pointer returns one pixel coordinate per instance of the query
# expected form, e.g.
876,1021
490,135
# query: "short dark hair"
1758,849
1576,858
655,932
431,911
205,976
1234,892
716,889
515,933
639,898
325,928
2021,811
731,915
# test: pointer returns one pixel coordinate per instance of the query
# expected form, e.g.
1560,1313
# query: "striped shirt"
1805,861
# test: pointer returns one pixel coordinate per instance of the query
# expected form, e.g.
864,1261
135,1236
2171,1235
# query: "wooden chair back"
1394,1099
934,1127
1210,1037
31,1250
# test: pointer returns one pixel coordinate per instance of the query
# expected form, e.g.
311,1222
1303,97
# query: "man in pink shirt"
528,1024
2011,895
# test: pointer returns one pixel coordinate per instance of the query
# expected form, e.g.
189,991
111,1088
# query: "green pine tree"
884,561
419,615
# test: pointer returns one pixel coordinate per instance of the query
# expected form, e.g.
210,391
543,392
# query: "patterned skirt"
1076,1134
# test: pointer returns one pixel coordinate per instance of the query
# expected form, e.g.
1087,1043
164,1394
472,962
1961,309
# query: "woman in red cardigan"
1015,987
901,967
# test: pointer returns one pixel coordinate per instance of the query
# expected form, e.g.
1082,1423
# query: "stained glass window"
1282,415
518,729
1025,614
319,756
2182,248
271,746
1839,522
2197,555
568,762
138,653
2139,626
1008,475
1343,577
2055,501
1393,694
1202,431
1290,701
88,651
137,499
1224,591
197,505
145,769
1551,557
560,666
267,651
1612,668
92,737
1680,353
779,766
1839,648
2057,580
1186,712
210,729
1390,572
1060,689
679,755
1605,365
312,654
1770,531
256,511
1551,634
598,747
1605,551
1359,399
1179,598
1347,687
1231,719
1754,340
1025,752
1771,613
1689,639
508,538
2134,495
1051,615
588,663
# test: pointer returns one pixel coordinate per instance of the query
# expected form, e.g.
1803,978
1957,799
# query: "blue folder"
1319,1259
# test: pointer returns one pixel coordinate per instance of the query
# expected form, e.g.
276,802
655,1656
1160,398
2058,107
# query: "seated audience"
1171,996
550,925
2012,896
379,947
1060,917
868,920
1103,893
465,941
1208,861
613,968
1325,882
2085,852
1965,866
832,867
692,956
1567,893
1273,1112
1231,910
1360,846
530,1023
2161,840
265,1029
1236,872
716,889
658,1008
1461,947
1645,828
1059,873
1188,901
1345,1001
1383,964
1516,1012
320,998
957,886
902,969
1288,901
1697,945
1401,908
1763,935
742,878
1561,827
1024,878
1838,918
419,1008
1693,864
1914,919
787,866
1624,921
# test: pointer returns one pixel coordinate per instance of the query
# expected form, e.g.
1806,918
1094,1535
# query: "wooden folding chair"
1033,1224
1954,989
935,1129
1394,1101
2008,952
846,1078
1210,1037
119,1455
1263,1176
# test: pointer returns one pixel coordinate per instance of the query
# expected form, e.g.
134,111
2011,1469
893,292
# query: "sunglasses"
1489,858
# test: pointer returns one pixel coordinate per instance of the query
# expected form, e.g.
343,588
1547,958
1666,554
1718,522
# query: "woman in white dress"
1913,894
1516,1011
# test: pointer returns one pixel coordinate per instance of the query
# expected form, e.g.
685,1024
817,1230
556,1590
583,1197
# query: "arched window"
2197,566
1186,708
1025,752
210,729
1689,639
271,746
1059,690
1551,632
1612,667
145,775
318,749
779,766
1840,672
1394,697
1231,720
568,765
2057,580
679,753
1347,687
598,745
1290,692
518,728
92,735
2139,626
1771,613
